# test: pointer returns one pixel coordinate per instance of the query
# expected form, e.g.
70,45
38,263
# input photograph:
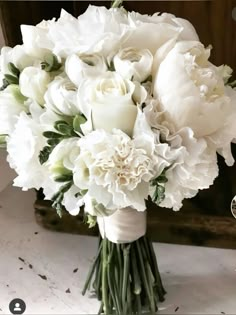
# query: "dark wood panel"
162,226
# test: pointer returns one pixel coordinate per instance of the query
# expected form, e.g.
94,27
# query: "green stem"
120,268
125,276
135,274
162,291
105,297
138,304
142,271
91,271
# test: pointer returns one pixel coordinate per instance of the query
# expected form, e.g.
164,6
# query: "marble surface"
39,267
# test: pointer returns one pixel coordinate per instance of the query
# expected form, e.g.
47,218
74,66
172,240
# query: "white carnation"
23,147
114,170
11,105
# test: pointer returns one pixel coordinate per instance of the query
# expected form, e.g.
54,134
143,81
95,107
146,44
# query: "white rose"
133,63
61,97
11,105
191,90
111,102
82,66
33,83
17,56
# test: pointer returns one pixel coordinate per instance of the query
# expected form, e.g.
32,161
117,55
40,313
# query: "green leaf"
44,154
53,142
91,220
162,179
4,85
65,129
11,79
64,178
3,141
65,187
52,135
77,121
13,69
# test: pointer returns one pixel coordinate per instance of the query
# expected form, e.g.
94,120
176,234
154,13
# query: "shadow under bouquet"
109,110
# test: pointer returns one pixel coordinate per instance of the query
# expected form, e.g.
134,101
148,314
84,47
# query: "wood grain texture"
162,226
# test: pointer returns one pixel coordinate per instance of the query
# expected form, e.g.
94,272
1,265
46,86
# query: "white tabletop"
37,266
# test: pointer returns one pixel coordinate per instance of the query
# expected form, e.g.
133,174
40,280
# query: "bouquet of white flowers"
106,111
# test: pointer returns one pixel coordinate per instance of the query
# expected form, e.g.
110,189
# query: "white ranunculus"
17,56
33,83
191,90
36,40
61,97
11,105
62,159
132,63
111,102
23,147
78,67
116,170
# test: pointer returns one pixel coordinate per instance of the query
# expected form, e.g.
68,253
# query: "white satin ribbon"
124,226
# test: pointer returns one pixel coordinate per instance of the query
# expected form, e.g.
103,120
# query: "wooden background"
205,219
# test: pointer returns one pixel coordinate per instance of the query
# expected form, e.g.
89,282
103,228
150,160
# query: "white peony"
152,32
61,97
134,64
23,147
36,40
193,164
98,30
11,105
114,170
82,66
33,83
191,90
111,102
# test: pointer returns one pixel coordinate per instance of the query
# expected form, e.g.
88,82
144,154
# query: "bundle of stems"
125,278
